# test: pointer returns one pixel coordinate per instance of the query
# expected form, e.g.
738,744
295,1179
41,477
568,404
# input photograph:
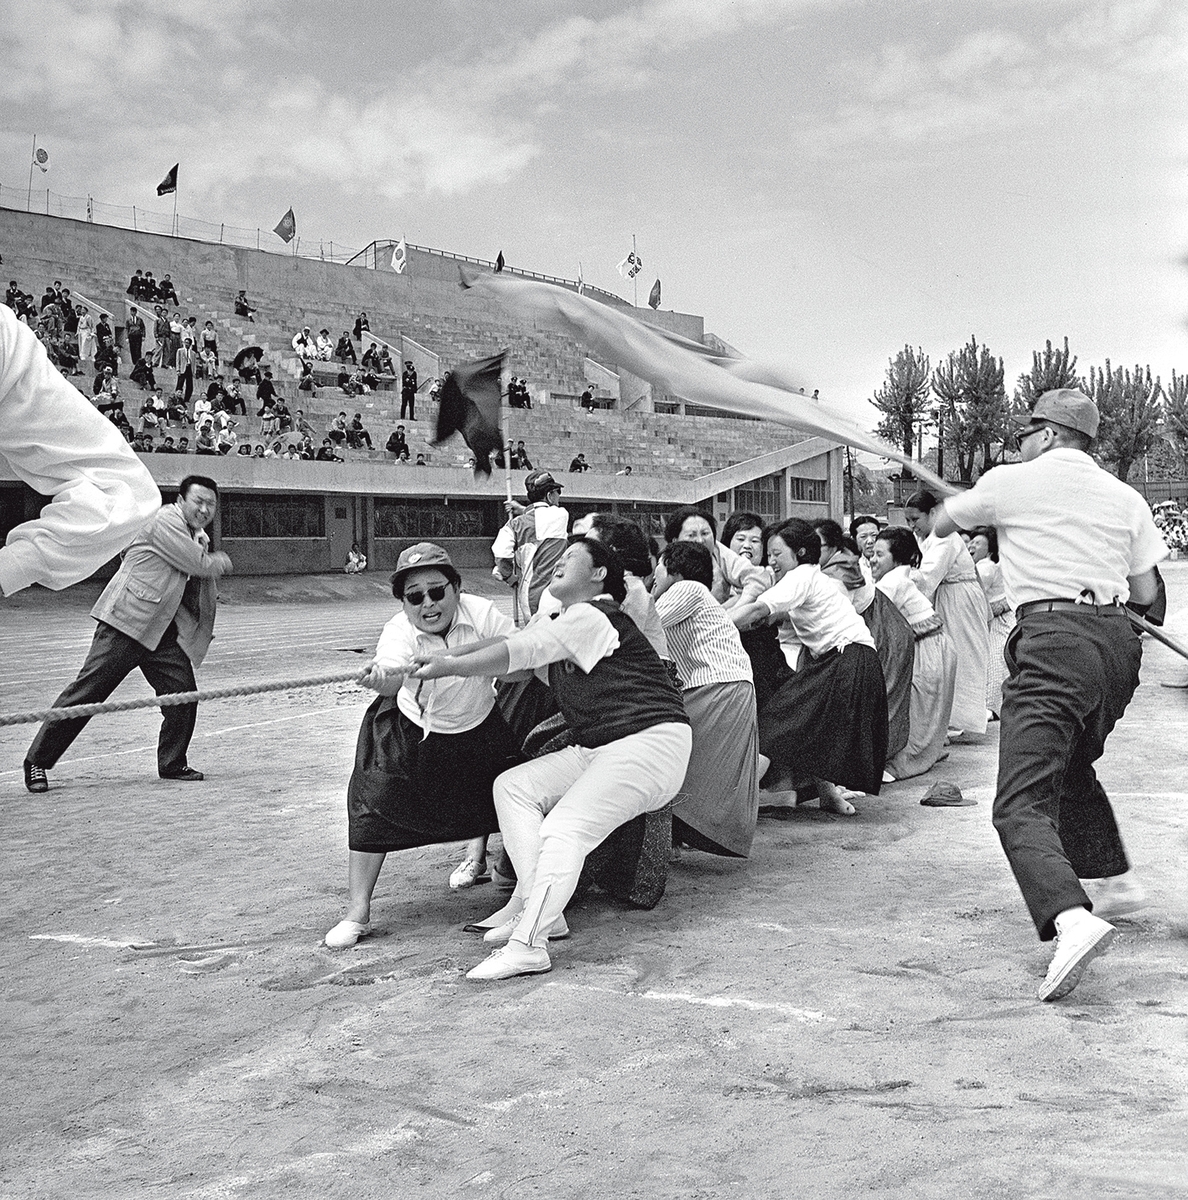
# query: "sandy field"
850,1012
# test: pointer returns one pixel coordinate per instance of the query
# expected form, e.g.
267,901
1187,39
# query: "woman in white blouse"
983,549
947,577
736,579
825,728
719,800
934,673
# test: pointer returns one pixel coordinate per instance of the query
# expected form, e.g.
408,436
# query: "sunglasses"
435,593
1023,434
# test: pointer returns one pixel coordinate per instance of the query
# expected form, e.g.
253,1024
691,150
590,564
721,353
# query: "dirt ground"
850,1012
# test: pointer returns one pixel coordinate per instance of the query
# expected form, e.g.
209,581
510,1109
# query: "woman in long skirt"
947,577
719,799
428,752
983,549
825,728
934,673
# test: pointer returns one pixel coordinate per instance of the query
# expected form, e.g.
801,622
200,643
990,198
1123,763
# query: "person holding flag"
528,548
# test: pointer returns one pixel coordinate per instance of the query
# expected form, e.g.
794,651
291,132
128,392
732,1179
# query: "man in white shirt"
1074,545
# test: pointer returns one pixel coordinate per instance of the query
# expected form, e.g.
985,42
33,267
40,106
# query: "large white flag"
400,257
631,266
41,159
683,368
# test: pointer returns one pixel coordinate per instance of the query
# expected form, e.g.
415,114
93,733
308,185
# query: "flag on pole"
471,404
631,266
581,287
41,159
169,183
286,227
654,295
400,257
499,262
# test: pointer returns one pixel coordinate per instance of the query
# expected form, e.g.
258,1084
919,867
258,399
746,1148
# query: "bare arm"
749,616
1144,587
944,524
491,659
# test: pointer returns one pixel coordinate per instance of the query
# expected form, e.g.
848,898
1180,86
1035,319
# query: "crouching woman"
632,744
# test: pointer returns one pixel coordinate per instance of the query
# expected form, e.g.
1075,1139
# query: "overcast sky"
823,181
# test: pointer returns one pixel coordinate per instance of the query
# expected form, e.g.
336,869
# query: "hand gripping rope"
170,698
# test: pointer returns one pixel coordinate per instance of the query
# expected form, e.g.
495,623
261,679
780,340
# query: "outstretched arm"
490,658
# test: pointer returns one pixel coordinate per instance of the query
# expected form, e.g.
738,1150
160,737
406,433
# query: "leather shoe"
513,959
35,777
186,775
1076,948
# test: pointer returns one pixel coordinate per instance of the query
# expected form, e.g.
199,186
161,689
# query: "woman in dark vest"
632,743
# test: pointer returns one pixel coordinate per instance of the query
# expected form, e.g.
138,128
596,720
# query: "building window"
761,496
810,491
273,516
432,519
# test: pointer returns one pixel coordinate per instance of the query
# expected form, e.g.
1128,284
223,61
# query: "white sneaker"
347,933
513,959
1076,948
1117,896
501,934
469,872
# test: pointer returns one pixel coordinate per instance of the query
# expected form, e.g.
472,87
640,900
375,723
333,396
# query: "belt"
1042,606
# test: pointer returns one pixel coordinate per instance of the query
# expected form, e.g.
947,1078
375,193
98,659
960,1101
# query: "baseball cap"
423,554
1064,406
540,483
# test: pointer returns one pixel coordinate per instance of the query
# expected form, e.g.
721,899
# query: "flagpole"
635,275
507,484
174,226
32,160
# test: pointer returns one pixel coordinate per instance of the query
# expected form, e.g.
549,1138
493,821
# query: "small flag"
286,227
499,262
654,295
631,266
41,159
471,404
400,257
169,183
581,287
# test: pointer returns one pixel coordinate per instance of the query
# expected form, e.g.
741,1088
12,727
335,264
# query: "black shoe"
35,778
186,775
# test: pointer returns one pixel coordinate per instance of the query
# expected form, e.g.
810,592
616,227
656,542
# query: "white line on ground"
77,939
806,1015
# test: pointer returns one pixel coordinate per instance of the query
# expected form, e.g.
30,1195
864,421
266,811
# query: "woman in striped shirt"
719,799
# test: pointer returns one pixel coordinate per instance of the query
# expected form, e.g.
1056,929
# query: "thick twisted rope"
76,711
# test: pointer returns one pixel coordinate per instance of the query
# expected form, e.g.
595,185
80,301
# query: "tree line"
964,399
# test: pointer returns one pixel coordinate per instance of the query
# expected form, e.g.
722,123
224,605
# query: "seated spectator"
268,420
249,369
326,453
233,398
356,560
624,470
210,341
587,400
202,410
345,350
325,346
105,346
276,450
166,292
420,461
245,449
135,287
242,307
306,382
386,366
519,458
357,436
120,421
183,445
266,389
150,287
206,443
337,431
371,358
167,446
50,297
361,324
292,453
175,412
13,294
301,426
283,416
304,344
258,452
435,390
227,439
106,382
397,443
150,419
307,450
579,464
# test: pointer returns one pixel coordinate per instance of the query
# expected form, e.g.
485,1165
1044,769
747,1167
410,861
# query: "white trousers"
554,810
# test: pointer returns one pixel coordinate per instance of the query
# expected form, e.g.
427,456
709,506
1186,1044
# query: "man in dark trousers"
134,332
408,391
156,614
1075,544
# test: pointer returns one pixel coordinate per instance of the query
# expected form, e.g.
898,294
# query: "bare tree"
903,398
972,407
1131,411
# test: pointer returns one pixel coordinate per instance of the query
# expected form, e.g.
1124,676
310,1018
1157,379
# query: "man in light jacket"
156,614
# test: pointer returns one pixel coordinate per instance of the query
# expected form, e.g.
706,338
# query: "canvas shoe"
469,872
513,959
347,933
501,934
1076,947
35,778
1115,897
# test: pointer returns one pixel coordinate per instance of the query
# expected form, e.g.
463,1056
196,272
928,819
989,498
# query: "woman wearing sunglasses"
428,750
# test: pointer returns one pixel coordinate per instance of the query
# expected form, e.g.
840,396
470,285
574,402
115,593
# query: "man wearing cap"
530,545
428,752
1075,544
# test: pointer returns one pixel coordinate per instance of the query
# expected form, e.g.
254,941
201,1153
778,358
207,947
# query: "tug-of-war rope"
74,712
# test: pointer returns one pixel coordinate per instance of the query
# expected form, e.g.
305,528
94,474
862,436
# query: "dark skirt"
828,720
895,642
410,790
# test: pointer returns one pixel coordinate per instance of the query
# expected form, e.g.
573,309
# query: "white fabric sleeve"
1149,548
493,623
977,506
397,644
679,602
504,545
54,440
581,634
935,560
741,573
786,594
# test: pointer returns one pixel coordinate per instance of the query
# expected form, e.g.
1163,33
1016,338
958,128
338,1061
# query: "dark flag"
169,183
471,405
499,262
654,295
286,227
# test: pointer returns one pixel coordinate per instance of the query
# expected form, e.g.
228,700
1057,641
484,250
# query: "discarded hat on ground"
1064,406
422,554
945,795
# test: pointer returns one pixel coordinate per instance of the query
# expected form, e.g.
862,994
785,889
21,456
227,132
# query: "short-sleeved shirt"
701,636
899,586
1065,526
452,704
819,616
